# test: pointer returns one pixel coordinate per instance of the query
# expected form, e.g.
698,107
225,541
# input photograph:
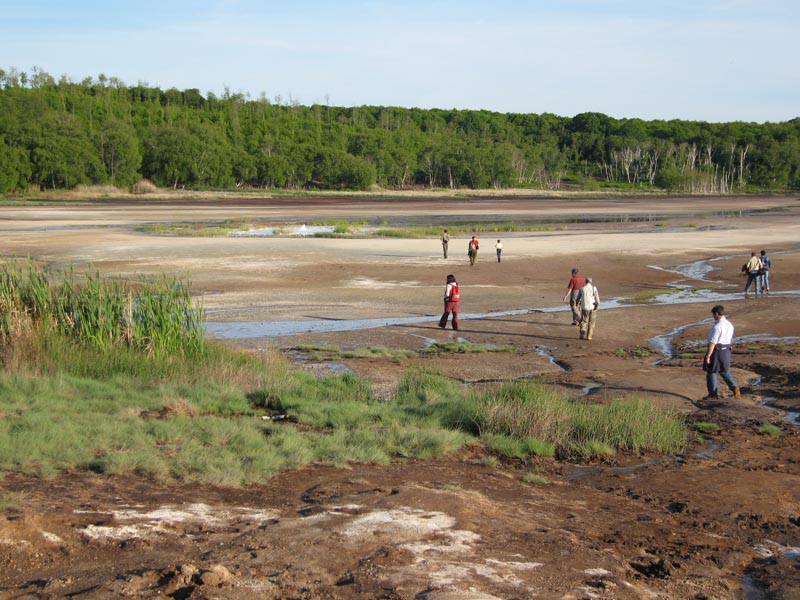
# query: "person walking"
589,299
766,265
753,271
718,355
576,282
499,248
472,250
452,297
445,242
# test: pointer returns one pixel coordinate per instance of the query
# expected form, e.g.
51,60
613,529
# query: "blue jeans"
764,281
751,277
711,382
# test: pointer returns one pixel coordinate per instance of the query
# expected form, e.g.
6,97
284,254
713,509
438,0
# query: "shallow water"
301,230
663,344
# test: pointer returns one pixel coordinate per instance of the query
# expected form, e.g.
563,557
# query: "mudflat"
722,521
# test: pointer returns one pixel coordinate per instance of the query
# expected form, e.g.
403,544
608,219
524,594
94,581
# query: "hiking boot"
710,397
737,393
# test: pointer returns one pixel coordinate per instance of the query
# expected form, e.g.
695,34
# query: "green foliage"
62,133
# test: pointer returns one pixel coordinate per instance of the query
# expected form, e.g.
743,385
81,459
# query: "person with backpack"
452,297
753,271
472,250
766,265
589,299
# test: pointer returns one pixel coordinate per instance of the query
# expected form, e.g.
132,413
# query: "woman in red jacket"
451,300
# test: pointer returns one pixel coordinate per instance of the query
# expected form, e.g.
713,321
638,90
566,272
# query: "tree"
119,152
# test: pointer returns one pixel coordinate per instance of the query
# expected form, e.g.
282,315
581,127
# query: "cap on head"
588,278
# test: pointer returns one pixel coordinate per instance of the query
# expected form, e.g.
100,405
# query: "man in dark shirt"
576,282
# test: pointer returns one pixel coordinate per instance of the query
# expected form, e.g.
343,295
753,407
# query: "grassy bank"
202,411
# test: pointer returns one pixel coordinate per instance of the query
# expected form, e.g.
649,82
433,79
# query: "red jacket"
451,293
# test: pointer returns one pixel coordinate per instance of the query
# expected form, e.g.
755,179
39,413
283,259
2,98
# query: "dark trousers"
449,308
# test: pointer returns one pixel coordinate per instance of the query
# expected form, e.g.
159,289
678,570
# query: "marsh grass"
770,429
460,229
195,228
334,353
705,427
464,348
12,501
635,352
155,317
647,297
115,377
576,429
534,479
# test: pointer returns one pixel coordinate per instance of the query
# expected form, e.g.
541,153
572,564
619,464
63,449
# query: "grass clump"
464,348
648,297
770,429
335,353
534,479
704,427
575,429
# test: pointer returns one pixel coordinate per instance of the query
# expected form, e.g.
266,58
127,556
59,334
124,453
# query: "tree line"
61,133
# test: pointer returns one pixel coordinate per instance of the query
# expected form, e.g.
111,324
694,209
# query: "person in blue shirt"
766,265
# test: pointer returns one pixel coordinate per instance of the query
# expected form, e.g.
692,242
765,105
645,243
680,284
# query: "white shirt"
590,297
721,333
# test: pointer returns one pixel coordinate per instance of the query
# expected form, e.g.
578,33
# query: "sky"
701,60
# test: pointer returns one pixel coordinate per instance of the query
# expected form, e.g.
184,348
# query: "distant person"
589,299
766,265
718,355
452,297
753,271
499,249
472,250
445,242
574,286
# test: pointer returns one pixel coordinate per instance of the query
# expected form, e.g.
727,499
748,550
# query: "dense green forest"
60,134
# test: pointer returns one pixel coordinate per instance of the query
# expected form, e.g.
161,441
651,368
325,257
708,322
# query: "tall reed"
156,317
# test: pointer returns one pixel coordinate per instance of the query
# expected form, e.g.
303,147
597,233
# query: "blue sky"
709,60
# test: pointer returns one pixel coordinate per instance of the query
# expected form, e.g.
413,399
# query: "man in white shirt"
589,299
718,355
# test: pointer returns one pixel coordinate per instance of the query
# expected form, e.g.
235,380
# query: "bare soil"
721,521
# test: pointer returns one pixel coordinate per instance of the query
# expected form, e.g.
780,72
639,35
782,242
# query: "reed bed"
158,317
